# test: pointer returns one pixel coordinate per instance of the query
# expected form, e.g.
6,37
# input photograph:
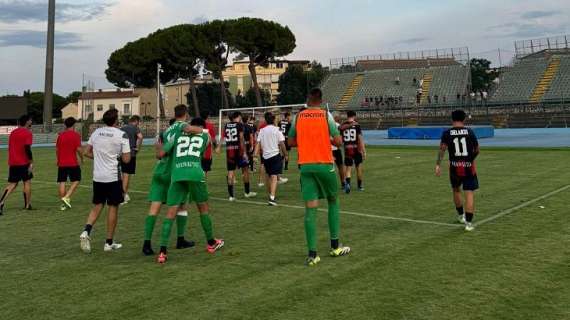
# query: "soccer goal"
257,113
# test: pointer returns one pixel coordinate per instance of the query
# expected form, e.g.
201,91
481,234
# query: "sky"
87,32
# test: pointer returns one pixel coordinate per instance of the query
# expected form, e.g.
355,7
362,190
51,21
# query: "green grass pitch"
514,267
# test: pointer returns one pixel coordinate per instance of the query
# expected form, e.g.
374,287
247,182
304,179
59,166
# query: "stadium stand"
335,87
518,82
560,86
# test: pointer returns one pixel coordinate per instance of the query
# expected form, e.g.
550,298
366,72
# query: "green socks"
334,219
311,228
181,223
206,222
166,229
149,227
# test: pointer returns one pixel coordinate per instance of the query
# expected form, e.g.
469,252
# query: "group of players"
184,153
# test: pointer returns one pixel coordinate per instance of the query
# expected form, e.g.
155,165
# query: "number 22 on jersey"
189,146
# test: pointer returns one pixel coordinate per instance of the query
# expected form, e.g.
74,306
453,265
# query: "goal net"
256,114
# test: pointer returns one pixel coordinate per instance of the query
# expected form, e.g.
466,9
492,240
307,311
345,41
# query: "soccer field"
410,259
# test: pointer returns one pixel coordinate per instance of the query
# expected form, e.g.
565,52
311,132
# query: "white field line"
522,205
358,214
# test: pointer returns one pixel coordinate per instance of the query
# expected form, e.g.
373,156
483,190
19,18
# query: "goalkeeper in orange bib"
312,132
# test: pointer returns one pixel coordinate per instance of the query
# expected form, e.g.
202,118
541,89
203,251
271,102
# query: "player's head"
171,121
286,115
134,120
458,116
181,112
25,121
69,122
204,114
350,114
235,116
198,122
315,98
245,118
111,117
269,118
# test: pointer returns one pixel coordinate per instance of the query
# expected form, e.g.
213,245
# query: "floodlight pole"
48,92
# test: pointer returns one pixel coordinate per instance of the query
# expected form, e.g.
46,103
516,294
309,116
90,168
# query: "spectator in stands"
484,95
429,99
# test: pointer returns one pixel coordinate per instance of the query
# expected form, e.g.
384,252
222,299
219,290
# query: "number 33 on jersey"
186,152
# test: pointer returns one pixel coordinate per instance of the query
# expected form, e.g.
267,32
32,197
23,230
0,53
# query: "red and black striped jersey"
463,148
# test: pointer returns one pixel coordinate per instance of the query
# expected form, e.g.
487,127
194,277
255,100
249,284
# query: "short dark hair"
458,115
171,121
350,114
180,111
198,122
69,122
286,115
205,114
245,117
315,94
269,118
24,119
135,118
234,115
110,117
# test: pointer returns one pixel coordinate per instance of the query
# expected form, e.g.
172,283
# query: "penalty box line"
352,213
522,205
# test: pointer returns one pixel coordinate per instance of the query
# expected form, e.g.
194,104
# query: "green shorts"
318,181
181,192
158,189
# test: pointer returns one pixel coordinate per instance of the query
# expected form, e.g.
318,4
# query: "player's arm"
192,129
476,150
79,152
139,140
88,152
440,156
242,144
158,149
361,146
125,149
336,139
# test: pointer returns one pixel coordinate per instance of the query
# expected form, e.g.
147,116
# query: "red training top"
67,144
19,138
212,131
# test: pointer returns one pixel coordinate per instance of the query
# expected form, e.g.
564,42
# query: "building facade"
239,78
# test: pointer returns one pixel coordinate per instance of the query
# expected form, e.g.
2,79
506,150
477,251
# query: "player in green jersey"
188,182
157,196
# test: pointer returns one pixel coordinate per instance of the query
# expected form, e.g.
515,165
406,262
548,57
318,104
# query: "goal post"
256,112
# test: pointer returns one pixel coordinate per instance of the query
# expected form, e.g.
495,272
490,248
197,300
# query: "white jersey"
108,143
269,138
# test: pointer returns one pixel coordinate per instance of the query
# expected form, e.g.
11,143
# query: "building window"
127,108
111,106
99,107
88,108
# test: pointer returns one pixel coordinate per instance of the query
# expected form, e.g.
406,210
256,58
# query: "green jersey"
162,168
185,153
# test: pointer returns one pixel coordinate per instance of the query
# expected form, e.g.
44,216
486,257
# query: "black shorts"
469,183
337,155
287,147
355,159
73,173
274,165
110,193
207,165
234,160
19,173
129,168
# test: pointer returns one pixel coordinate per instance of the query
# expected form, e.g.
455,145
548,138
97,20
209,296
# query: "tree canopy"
295,83
482,75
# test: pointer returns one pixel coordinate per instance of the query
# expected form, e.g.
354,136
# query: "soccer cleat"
282,180
232,199
272,202
469,226
461,218
126,199
63,207
250,195
29,208
360,189
340,251
216,246
112,247
85,242
347,188
261,184
147,251
311,262
183,244
162,258
66,202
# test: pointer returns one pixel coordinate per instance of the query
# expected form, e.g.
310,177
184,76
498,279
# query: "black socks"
88,228
468,216
246,186
459,211
334,243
